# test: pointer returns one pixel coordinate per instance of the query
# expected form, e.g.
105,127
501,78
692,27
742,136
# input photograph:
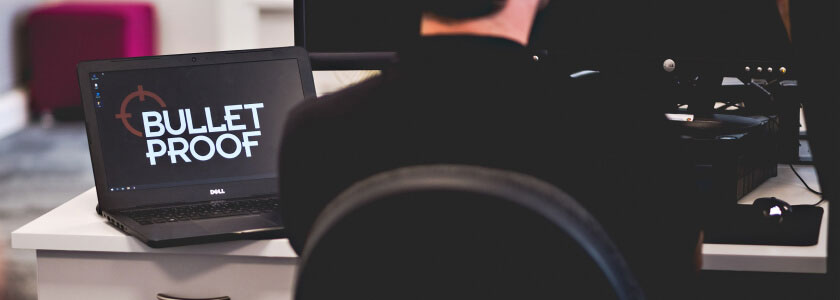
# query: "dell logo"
217,192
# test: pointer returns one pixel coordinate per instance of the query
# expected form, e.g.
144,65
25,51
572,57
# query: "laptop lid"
190,128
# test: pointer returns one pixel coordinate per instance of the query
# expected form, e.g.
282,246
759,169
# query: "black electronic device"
732,154
184,147
699,35
367,34
682,50
354,35
773,208
766,222
703,46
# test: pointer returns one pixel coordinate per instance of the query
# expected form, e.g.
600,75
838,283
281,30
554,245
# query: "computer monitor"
815,34
713,29
366,34
354,35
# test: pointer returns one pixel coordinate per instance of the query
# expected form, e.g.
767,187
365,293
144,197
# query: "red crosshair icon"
140,93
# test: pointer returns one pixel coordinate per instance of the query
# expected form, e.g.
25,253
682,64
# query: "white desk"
794,259
80,256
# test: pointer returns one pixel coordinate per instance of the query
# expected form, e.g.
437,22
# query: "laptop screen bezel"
187,193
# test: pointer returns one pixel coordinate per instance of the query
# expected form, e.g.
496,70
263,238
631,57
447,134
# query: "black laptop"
184,147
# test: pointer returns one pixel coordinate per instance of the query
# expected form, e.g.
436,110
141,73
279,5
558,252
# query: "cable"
803,180
806,185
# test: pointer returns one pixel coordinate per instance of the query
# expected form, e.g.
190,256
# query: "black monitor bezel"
322,61
189,193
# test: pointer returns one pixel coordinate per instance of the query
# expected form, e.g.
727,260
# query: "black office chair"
459,232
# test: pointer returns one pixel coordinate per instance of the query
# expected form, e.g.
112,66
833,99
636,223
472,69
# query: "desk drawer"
141,276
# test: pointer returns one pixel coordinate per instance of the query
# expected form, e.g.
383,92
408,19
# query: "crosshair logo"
141,94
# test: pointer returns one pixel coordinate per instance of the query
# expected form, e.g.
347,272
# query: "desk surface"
796,259
74,226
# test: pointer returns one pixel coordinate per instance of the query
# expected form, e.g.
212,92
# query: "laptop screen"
169,127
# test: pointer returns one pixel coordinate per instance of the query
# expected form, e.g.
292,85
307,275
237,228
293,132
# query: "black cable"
806,185
803,180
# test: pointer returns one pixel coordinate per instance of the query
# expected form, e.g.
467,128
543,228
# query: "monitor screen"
176,126
356,26
715,29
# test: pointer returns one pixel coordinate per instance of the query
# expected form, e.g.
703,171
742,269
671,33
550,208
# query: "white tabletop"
795,259
75,226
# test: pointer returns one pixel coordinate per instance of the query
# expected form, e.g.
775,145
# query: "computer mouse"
773,208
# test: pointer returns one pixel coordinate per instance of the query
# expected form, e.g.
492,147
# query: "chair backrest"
459,232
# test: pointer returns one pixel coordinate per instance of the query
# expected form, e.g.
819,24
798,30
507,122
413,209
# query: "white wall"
12,13
186,26
13,105
13,111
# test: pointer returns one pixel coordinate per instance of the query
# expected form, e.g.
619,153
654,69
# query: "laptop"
184,147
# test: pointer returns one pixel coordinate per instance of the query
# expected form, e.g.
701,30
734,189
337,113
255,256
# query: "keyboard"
206,210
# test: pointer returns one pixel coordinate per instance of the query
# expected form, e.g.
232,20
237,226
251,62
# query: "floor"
41,166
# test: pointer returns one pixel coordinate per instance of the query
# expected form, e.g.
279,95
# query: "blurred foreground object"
62,35
2,275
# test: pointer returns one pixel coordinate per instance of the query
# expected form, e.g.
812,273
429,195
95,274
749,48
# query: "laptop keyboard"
208,210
